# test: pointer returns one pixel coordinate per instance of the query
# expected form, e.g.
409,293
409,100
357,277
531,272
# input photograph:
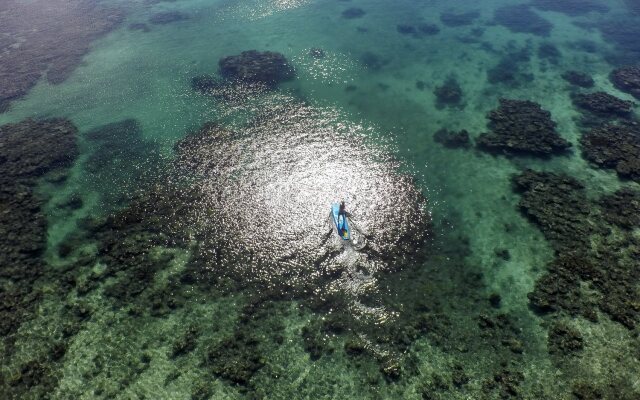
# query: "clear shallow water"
224,280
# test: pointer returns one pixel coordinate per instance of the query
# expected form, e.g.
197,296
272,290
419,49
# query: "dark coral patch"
627,79
562,228
614,146
577,78
571,7
564,340
453,19
449,94
593,268
353,13
451,139
521,126
428,29
167,17
29,150
520,19
267,67
603,104
49,41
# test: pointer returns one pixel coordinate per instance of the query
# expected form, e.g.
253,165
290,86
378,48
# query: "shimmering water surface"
167,170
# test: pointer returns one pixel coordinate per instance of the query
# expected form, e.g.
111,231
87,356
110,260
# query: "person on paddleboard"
345,214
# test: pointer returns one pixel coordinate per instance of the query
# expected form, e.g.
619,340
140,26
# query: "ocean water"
187,251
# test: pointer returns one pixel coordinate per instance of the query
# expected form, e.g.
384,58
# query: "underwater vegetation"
47,42
175,242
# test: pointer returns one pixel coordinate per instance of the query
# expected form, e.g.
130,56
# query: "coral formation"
429,29
603,104
520,19
449,94
571,7
267,67
453,19
452,139
353,13
509,70
548,51
522,126
614,146
47,38
627,79
593,268
118,154
29,150
167,17
577,78
564,340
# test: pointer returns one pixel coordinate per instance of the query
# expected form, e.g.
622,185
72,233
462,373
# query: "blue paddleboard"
341,222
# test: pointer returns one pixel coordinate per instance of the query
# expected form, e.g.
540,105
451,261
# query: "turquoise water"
199,262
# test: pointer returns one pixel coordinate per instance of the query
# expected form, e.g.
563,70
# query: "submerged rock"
267,67
564,340
548,51
353,13
449,94
588,255
406,29
563,221
453,19
452,139
614,146
428,29
622,208
510,70
167,17
571,7
578,79
520,19
522,127
49,39
603,104
627,79
29,150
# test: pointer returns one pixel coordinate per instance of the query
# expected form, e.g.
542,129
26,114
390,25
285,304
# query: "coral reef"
167,17
267,67
47,38
121,162
239,357
449,94
577,78
627,79
521,126
594,267
603,104
29,150
571,7
428,29
406,29
509,70
621,31
453,19
614,146
139,26
353,13
520,19
452,139
372,61
550,52
564,340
